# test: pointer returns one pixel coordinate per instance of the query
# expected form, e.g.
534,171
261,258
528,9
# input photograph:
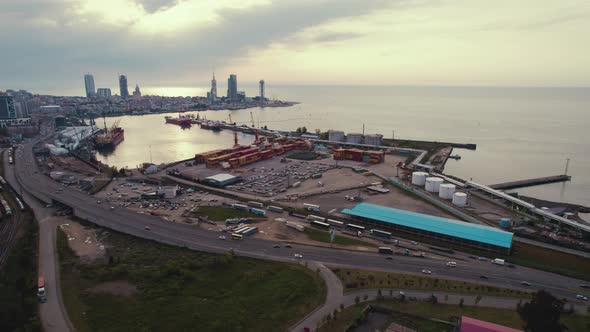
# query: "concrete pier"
531,182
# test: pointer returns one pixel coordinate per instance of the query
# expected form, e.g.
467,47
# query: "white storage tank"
336,135
446,191
433,184
419,178
460,199
354,138
375,139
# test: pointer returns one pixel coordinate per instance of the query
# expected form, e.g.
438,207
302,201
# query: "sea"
520,132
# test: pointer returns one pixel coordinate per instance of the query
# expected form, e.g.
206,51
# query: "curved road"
127,221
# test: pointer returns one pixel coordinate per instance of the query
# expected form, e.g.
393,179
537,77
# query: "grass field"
354,279
323,236
183,290
220,213
446,312
550,260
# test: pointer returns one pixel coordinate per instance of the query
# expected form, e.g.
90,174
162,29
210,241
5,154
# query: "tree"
542,313
303,130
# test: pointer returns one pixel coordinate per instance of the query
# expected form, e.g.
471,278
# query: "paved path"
53,313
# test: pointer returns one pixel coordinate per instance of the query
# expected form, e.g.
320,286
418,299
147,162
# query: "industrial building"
441,229
222,180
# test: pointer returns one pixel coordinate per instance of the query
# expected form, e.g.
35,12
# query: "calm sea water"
520,132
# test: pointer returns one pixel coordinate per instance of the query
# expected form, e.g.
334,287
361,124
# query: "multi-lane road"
127,221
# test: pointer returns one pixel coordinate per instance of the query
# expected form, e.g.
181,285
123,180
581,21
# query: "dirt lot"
82,240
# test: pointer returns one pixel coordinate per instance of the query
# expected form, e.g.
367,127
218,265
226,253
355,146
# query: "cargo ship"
109,138
181,120
211,125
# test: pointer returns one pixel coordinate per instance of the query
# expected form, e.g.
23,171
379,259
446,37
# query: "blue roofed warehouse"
441,229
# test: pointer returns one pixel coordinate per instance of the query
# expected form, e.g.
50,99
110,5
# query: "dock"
531,182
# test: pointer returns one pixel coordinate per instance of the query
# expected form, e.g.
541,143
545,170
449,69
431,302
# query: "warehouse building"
436,228
222,180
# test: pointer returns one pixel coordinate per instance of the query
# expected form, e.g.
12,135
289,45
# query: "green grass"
550,260
507,317
220,213
183,290
354,279
323,236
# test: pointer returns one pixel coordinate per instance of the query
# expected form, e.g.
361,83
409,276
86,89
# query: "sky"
53,43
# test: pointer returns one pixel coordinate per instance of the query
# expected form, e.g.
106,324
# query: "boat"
109,138
456,157
181,120
211,125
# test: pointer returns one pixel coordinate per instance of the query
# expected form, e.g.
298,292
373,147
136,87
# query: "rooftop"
469,324
460,229
220,177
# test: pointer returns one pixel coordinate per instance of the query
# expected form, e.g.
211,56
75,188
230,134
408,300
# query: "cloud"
336,36
86,43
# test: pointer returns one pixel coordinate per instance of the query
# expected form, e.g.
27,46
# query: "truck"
498,261
385,250
41,289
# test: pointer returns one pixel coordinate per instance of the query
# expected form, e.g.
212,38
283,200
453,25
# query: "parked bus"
255,204
258,212
335,222
320,224
235,236
355,227
376,232
311,207
316,218
239,207
385,250
275,208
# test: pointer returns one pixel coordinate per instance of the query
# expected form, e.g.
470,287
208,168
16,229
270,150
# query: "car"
482,259
288,246
276,246
512,266
112,208
389,258
425,271
222,237
298,256
525,283
147,228
581,297
483,277
451,264
414,243
98,202
585,286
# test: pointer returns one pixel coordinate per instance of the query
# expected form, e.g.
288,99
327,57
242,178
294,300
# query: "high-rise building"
103,92
262,99
123,86
232,88
213,93
89,84
7,109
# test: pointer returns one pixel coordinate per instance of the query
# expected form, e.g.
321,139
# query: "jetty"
531,182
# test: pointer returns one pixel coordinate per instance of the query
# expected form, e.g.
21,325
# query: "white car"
426,271
581,297
298,256
452,264
222,237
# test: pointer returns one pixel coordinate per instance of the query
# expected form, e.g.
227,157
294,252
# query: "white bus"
237,236
311,207
376,232
335,222
317,218
255,204
355,227
320,224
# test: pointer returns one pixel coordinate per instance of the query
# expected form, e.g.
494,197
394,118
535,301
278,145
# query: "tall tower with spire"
137,93
213,92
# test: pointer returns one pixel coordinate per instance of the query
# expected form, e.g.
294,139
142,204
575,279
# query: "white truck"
498,261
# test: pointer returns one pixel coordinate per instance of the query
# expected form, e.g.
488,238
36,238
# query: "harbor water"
520,132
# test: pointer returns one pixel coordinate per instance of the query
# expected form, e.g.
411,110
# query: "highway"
127,221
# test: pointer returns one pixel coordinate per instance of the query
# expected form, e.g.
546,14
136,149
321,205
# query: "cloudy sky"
48,43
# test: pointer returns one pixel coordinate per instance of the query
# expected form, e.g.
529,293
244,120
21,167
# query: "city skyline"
290,42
